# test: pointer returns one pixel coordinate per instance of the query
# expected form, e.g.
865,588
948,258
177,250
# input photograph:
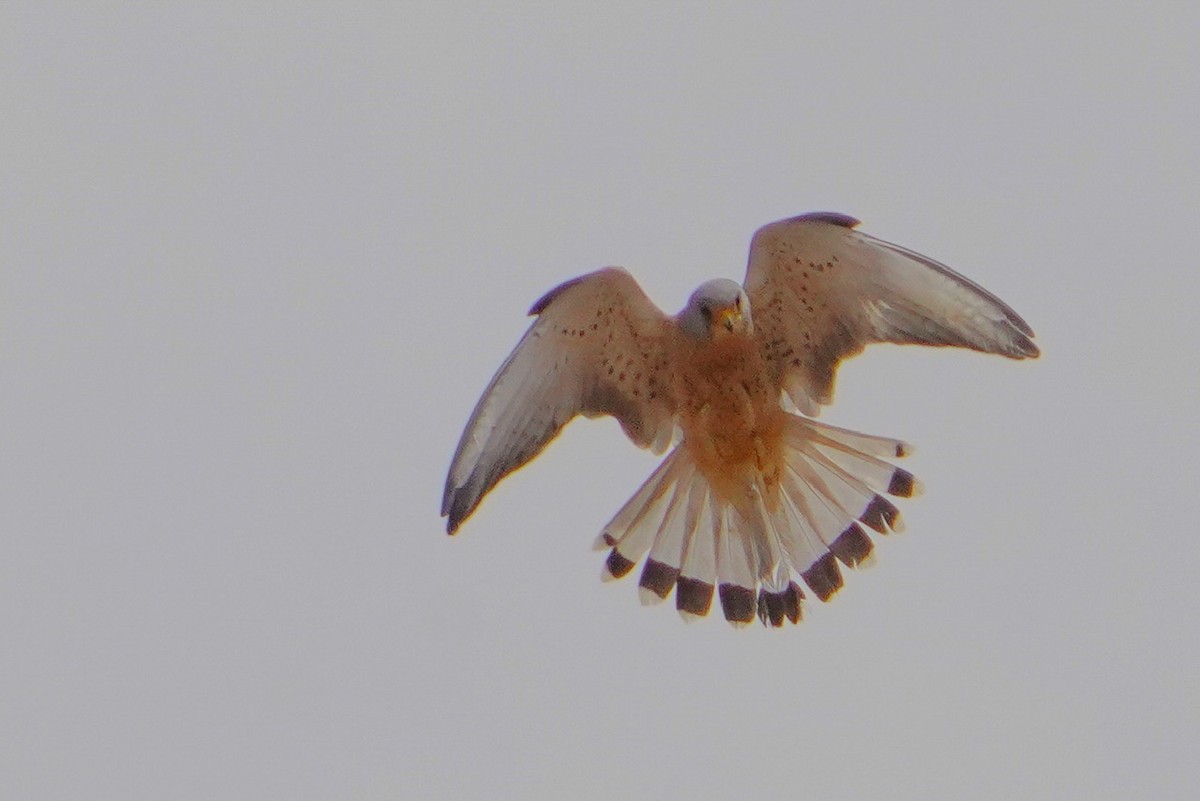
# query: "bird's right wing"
598,347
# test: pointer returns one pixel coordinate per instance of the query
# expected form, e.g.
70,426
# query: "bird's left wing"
821,291
598,347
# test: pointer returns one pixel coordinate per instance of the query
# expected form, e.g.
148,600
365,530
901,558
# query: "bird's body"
731,420
753,493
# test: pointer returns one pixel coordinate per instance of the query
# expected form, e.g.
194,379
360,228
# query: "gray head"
716,309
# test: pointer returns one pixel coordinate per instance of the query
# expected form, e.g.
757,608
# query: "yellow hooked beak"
728,317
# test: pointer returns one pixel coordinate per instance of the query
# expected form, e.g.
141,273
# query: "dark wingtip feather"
1018,322
693,596
454,519
823,578
457,506
737,603
1020,341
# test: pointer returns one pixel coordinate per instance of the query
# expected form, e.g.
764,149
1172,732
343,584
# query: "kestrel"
753,493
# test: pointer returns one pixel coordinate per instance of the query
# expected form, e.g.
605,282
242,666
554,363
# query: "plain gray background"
258,261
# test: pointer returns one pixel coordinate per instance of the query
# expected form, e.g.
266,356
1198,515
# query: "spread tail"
747,550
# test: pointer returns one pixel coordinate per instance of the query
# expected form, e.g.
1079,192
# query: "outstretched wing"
821,291
596,348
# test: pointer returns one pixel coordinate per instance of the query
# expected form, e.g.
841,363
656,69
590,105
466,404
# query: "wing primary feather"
1009,313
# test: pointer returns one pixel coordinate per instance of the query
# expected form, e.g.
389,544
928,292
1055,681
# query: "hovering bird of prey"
753,494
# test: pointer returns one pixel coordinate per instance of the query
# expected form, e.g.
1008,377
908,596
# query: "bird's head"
717,309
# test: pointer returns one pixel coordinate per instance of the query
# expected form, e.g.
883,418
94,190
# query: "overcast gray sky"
257,262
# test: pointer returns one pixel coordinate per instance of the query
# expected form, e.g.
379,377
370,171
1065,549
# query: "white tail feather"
845,439
747,549
816,523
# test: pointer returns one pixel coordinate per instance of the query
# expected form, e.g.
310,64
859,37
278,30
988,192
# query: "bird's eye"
706,311
737,303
